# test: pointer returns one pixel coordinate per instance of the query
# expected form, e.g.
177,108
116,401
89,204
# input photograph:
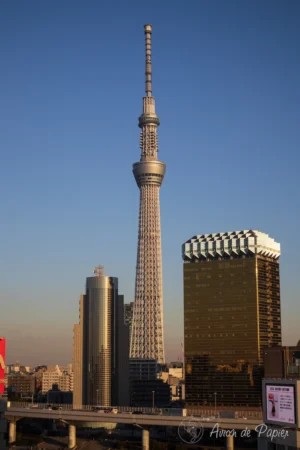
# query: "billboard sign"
2,364
281,404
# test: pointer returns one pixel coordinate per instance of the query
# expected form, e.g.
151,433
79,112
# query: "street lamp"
215,403
97,390
153,395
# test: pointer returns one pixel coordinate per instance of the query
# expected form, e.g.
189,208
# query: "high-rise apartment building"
105,344
78,356
231,314
66,382
50,377
61,379
147,336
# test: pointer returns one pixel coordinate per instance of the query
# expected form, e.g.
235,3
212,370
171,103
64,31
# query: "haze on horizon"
226,85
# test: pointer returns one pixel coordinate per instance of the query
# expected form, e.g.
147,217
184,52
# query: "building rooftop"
208,246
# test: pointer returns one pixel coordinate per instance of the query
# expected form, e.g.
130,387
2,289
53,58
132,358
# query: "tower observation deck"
147,336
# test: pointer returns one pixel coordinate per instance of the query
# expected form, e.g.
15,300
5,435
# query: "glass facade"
231,312
101,292
105,344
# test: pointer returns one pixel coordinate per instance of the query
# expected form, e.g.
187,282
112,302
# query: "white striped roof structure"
214,245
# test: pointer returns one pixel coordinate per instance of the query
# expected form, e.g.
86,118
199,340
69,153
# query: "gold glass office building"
101,345
231,313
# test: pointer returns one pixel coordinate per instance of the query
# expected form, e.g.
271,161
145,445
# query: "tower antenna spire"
148,73
147,331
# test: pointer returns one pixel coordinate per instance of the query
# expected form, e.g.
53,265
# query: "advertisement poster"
281,403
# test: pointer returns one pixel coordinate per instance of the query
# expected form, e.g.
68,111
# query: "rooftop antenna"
148,73
99,271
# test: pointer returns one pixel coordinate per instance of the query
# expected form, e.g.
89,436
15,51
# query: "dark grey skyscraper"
105,343
128,309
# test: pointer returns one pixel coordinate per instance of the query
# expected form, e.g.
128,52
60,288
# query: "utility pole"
215,403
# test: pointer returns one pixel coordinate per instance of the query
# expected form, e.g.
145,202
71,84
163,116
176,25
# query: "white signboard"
280,403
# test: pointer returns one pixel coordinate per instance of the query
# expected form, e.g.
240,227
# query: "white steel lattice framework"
147,336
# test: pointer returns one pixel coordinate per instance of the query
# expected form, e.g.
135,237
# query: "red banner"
2,364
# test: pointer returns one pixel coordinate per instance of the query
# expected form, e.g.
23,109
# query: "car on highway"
137,412
98,409
111,410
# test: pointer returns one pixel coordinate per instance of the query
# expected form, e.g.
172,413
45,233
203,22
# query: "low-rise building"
282,362
23,385
57,396
176,369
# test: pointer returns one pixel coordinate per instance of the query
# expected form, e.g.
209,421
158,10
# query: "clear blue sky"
226,83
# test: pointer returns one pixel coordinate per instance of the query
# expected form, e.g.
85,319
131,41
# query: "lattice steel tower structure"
147,336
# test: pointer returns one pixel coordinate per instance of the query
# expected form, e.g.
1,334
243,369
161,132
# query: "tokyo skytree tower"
147,336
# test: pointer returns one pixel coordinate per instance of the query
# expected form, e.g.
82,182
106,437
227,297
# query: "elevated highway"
144,421
131,419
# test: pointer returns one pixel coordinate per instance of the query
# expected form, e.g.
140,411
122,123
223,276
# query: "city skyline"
227,83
